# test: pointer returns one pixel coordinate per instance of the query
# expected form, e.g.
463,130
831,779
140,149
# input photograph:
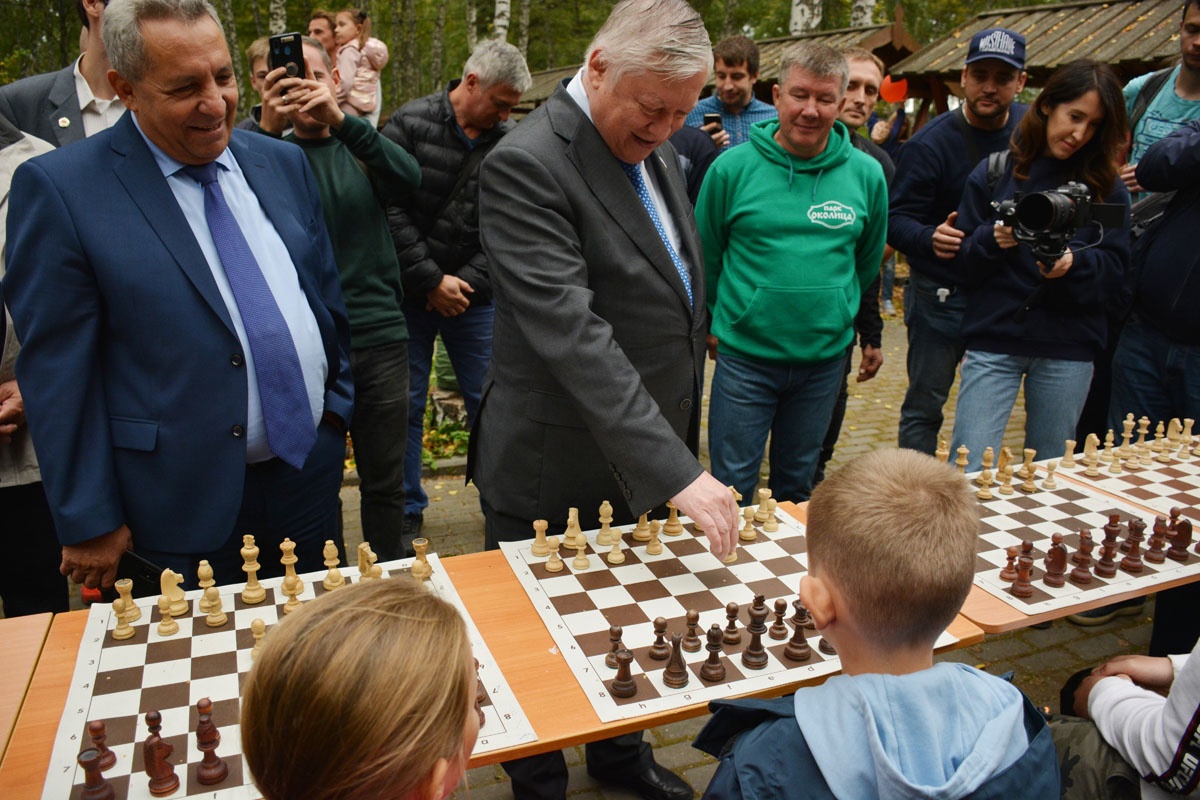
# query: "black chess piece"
98,732
1022,586
801,617
1136,535
713,669
156,753
660,650
623,685
1083,556
1181,539
755,655
732,634
1132,562
1008,572
826,647
1112,528
778,629
1056,562
691,640
614,637
676,673
797,648
212,769
1106,567
95,785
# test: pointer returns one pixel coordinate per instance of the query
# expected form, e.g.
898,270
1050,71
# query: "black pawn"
797,648
691,640
732,635
755,655
778,628
660,650
826,647
1133,561
713,670
623,685
212,769
1023,585
1106,567
676,673
99,733
614,638
95,786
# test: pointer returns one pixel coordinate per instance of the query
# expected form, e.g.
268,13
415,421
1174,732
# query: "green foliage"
444,441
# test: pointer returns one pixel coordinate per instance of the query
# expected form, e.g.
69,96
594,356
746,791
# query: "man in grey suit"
74,102
599,321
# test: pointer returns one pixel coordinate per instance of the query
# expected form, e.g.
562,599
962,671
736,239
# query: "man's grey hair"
817,59
664,37
123,20
494,61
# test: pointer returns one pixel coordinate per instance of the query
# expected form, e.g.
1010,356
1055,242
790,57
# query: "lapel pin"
63,122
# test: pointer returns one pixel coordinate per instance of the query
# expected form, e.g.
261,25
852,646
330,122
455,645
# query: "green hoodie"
790,244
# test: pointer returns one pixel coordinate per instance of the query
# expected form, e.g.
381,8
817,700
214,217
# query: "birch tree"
862,13
500,20
276,16
806,16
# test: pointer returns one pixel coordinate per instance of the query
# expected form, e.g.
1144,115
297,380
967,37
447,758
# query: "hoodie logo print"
832,214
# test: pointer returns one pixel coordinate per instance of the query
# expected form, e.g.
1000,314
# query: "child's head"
367,691
351,24
895,531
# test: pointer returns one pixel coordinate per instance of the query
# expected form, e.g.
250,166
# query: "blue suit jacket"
133,378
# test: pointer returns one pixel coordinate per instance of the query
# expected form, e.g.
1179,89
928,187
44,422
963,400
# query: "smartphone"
146,577
710,118
287,50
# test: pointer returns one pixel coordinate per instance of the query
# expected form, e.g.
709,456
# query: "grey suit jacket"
597,356
40,104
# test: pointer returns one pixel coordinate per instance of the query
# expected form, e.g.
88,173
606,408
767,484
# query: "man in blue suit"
184,361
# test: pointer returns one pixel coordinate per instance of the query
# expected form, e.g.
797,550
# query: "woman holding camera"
1041,317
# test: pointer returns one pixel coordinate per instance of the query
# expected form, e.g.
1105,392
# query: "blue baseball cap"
1000,43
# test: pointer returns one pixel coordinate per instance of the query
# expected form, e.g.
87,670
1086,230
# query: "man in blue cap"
930,174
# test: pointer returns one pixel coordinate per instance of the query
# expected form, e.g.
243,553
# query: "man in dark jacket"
436,232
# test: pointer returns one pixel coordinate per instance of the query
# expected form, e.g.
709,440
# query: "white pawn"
1050,483
747,533
641,531
333,578
216,616
123,630
654,547
205,574
772,523
555,562
581,560
259,629
166,626
616,555
539,548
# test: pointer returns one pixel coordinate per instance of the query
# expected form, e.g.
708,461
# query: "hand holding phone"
713,119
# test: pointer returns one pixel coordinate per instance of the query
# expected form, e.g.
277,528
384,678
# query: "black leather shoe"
656,783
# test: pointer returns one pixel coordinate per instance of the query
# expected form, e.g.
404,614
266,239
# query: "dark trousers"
835,422
35,585
544,776
278,502
379,430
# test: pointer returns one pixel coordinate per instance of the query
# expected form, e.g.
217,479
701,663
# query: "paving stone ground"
1041,660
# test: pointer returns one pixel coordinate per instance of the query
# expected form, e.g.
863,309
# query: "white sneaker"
889,310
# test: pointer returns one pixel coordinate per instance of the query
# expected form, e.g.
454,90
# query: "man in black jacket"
436,232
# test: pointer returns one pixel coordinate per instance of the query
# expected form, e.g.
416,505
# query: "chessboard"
119,681
1159,485
1067,508
579,606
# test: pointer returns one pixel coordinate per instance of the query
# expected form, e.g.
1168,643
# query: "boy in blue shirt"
889,567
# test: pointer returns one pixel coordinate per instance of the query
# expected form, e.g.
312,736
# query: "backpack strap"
997,164
1146,95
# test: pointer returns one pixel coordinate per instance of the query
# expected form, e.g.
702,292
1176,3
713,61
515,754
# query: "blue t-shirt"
1167,113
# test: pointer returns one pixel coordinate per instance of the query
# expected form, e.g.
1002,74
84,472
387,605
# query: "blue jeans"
468,341
1054,393
1153,376
792,402
379,430
934,349
887,283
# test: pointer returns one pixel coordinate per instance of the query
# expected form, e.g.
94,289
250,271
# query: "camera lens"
1045,211
287,50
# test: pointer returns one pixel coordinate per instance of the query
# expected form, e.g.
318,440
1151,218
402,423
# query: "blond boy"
891,546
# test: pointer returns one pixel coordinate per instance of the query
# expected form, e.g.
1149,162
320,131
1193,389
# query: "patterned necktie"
634,172
287,415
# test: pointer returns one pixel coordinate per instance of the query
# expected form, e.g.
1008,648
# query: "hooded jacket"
790,245
943,733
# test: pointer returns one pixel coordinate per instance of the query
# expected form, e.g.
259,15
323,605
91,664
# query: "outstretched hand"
711,505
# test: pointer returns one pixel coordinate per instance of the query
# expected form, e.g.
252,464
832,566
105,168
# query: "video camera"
1047,221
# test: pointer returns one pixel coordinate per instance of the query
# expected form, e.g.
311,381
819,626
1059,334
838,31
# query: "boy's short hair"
895,532
259,48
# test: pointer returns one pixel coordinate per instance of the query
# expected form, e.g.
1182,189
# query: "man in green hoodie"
793,229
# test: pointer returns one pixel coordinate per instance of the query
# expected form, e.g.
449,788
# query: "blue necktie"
634,171
287,415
